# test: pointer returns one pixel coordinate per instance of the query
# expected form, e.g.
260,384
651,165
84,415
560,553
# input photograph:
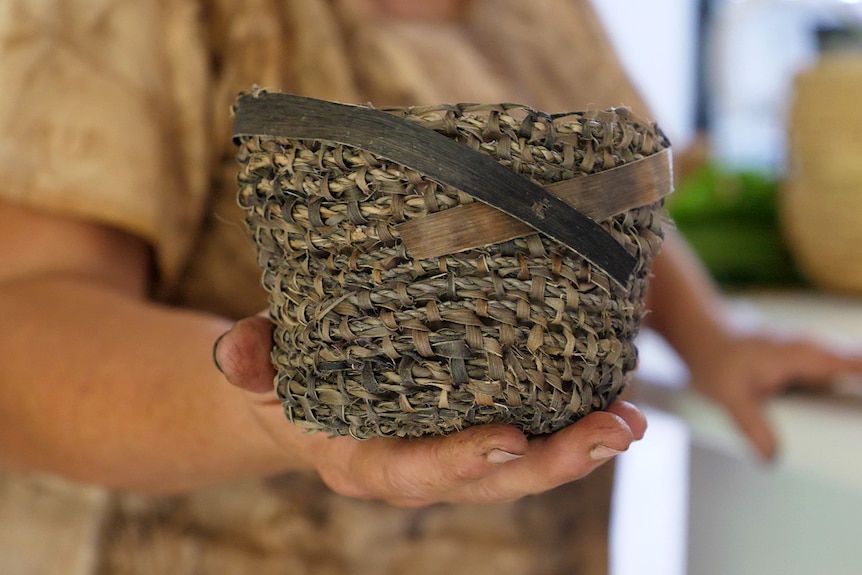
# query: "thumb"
242,354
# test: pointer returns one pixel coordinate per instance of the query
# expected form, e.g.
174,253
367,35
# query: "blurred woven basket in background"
402,306
821,201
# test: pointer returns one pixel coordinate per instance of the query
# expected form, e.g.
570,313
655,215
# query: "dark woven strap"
441,159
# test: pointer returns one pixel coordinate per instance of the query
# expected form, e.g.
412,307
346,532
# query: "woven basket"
821,201
404,306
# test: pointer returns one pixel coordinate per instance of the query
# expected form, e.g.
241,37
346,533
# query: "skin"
482,464
84,396
738,369
100,385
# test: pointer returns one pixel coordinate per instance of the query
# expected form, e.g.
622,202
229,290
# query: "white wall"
757,48
656,42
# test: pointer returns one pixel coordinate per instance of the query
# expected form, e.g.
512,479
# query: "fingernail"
600,452
500,456
215,352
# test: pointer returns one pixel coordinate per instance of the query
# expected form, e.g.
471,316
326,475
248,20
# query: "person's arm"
739,369
685,305
100,385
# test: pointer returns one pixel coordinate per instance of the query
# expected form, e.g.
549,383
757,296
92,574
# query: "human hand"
482,464
741,371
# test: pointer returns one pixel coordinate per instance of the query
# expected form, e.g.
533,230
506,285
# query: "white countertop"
692,497
819,433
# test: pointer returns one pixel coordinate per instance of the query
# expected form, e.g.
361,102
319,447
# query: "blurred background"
763,102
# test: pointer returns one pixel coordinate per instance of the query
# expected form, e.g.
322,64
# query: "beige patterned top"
118,111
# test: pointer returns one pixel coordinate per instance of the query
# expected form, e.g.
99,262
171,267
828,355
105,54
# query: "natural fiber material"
821,203
370,341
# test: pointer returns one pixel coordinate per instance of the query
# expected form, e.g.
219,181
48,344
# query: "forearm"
102,387
686,307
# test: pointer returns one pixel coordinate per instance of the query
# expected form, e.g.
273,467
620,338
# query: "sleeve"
88,126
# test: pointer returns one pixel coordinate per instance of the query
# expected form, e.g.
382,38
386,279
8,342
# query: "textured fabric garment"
118,111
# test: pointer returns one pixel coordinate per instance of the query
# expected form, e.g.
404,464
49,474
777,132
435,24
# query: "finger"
569,454
806,363
752,422
633,417
579,449
421,471
243,354
825,365
562,457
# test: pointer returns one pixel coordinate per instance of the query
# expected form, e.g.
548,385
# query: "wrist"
699,339
274,444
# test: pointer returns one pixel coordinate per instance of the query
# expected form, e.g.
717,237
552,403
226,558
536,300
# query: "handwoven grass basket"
403,306
821,201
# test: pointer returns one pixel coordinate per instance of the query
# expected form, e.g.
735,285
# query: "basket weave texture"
821,203
370,341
